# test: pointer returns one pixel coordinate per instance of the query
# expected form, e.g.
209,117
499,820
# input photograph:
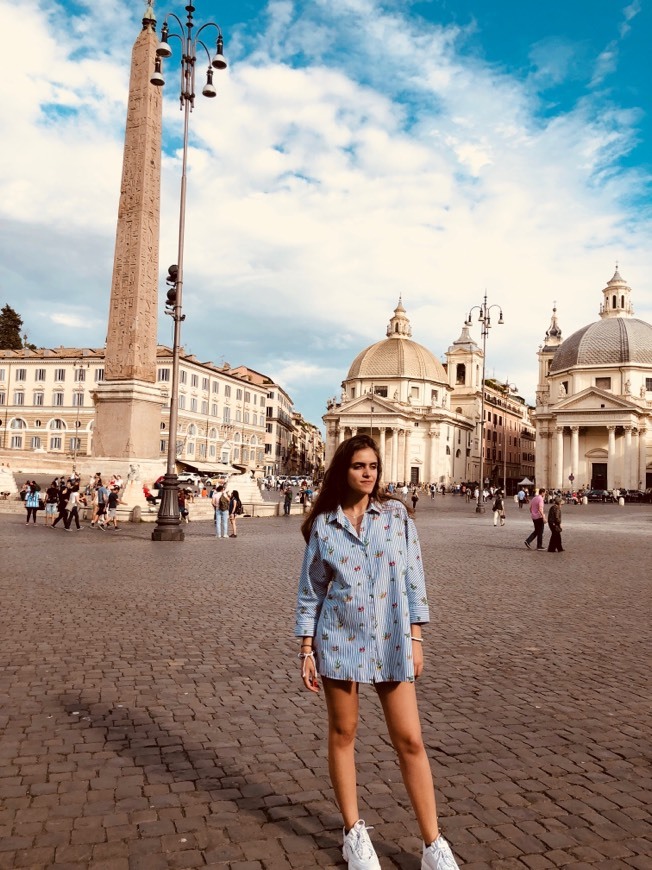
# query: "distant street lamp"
79,394
507,389
168,523
484,318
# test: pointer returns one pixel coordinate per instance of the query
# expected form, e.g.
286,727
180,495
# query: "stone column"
627,460
128,401
642,457
559,467
395,455
611,459
341,434
381,448
406,457
575,452
427,473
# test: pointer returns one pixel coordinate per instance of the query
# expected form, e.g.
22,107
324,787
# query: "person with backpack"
498,508
220,502
235,510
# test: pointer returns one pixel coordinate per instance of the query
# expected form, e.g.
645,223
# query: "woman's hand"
309,674
417,658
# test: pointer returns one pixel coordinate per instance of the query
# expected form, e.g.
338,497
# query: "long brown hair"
335,486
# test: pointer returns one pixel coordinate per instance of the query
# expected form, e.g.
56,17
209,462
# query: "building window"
39,375
213,409
80,375
164,374
59,375
194,380
2,374
21,374
460,373
246,416
19,398
216,387
226,415
182,403
204,407
3,398
204,384
55,442
238,416
381,391
212,432
163,446
648,384
99,375
17,442
37,424
36,442
18,423
193,404
75,443
247,396
57,399
202,450
601,383
38,399
57,424
190,450
269,427
238,395
77,400
211,451
183,376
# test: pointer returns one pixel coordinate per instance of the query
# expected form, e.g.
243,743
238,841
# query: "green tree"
10,325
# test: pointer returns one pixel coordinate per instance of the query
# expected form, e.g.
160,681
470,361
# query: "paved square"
152,715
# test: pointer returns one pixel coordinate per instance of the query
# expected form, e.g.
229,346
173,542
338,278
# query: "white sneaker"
438,856
357,849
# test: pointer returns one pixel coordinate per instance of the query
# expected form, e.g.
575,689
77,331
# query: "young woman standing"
361,605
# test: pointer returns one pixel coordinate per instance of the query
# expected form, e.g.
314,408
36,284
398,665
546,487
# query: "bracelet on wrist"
418,639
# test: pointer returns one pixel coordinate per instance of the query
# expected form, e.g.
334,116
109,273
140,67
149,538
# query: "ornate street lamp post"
168,523
484,318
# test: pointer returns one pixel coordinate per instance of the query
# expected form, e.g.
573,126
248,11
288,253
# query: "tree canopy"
10,325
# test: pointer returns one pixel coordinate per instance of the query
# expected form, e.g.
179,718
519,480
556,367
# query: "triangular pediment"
362,405
594,399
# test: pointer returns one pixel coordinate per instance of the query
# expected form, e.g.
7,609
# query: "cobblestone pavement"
151,714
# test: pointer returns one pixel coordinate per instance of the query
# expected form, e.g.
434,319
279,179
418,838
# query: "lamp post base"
168,523
480,509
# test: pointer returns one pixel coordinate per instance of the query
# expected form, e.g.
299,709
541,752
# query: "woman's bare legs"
342,703
399,701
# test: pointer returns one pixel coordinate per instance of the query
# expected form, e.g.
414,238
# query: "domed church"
594,400
397,391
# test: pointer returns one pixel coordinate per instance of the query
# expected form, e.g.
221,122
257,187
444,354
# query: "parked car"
189,477
648,495
599,495
632,495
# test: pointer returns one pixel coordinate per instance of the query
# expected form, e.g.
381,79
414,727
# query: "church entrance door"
599,475
414,475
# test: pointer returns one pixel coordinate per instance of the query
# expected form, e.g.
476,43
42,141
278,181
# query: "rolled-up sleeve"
416,581
313,585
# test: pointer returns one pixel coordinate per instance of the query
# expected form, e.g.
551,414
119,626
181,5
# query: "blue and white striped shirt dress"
359,595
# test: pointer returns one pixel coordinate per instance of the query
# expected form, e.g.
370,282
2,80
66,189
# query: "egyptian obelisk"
128,402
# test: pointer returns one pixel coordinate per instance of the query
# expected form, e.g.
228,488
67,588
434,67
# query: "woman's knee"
409,744
342,733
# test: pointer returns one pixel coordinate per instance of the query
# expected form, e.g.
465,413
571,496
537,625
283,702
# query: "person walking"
539,520
287,501
72,509
64,492
361,605
415,498
499,508
112,506
32,501
554,524
51,499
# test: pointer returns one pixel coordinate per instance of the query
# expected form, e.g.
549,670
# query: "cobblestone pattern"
151,714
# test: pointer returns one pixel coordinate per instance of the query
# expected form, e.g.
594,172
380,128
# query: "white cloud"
350,156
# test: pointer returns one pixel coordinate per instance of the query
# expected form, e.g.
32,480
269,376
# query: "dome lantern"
617,298
399,325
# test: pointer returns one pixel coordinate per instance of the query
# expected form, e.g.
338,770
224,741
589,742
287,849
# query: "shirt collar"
338,515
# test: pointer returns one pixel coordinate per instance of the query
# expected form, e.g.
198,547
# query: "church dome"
614,341
397,356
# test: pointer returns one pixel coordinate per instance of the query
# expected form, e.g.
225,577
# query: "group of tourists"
65,496
228,508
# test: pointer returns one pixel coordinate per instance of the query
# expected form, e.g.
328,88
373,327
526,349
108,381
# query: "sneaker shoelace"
361,843
444,855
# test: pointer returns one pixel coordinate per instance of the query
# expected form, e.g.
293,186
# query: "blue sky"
357,150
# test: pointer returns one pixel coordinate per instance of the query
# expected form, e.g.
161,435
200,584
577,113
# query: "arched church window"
457,454
622,301
613,301
448,450
460,373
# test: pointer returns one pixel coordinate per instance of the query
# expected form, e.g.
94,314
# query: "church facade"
594,400
426,416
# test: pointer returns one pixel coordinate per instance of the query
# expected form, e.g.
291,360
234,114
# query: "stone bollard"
585,500
135,514
621,501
